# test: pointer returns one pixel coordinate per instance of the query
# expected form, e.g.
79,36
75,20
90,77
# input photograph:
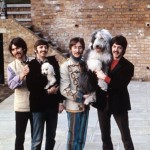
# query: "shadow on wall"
18,1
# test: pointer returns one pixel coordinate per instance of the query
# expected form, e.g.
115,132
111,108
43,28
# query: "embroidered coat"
69,85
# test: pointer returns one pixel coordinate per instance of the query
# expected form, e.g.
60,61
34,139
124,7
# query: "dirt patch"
5,92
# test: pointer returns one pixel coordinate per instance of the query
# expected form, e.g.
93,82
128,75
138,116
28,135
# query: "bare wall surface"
64,19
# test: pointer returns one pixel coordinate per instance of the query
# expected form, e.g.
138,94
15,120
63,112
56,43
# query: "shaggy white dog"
48,70
98,59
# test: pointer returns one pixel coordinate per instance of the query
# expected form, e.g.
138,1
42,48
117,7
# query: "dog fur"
87,83
100,60
95,61
48,70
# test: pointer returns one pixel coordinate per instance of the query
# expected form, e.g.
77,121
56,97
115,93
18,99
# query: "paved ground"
139,124
5,92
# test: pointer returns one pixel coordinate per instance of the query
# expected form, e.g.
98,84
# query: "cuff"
107,79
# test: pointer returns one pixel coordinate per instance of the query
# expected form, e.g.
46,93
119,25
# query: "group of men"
39,105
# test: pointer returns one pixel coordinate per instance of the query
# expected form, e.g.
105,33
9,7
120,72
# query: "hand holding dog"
100,74
53,89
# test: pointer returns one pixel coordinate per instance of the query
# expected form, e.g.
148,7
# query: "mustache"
79,53
18,53
44,51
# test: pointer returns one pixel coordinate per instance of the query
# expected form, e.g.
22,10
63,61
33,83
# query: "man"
116,100
16,72
44,103
77,113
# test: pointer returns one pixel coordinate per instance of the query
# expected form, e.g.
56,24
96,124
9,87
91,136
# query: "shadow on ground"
5,92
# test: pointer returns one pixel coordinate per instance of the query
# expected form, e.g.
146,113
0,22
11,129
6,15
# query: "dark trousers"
21,125
50,117
123,125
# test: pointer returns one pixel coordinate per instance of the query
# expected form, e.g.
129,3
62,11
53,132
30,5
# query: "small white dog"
48,70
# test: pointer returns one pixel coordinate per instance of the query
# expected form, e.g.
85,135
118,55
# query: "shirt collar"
41,62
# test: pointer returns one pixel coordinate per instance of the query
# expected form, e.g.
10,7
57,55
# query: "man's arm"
13,79
119,79
65,83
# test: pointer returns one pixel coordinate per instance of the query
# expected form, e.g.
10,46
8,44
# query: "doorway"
1,60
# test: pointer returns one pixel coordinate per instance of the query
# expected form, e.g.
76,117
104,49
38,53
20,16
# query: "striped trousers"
77,129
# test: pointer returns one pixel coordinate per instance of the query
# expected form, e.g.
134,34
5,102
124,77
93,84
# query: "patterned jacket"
69,85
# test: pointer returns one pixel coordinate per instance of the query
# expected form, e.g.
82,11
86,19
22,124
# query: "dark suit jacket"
117,95
40,100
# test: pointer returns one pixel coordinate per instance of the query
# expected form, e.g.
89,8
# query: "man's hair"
40,42
19,43
120,40
75,40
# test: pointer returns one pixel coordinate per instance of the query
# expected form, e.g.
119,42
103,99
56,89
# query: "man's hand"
61,107
53,89
24,72
100,74
86,96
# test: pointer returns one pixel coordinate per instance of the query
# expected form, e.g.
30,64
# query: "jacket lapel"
117,67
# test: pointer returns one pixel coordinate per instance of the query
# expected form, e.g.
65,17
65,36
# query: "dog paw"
86,103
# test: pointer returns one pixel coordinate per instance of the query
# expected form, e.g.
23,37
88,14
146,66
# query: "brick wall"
10,29
64,19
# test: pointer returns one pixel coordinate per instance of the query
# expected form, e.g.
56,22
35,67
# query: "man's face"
17,52
117,51
41,51
77,50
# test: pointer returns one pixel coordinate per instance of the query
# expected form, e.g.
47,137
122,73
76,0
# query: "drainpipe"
3,9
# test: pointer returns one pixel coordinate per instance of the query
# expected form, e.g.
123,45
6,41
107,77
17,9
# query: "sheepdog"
48,70
99,57
87,83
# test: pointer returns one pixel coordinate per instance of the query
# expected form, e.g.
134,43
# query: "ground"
5,92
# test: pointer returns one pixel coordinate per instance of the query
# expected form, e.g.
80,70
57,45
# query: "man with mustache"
44,103
116,100
16,73
77,112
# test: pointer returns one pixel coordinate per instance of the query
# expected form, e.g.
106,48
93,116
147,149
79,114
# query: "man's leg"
123,124
21,124
38,129
105,127
31,123
83,121
77,124
71,139
51,125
